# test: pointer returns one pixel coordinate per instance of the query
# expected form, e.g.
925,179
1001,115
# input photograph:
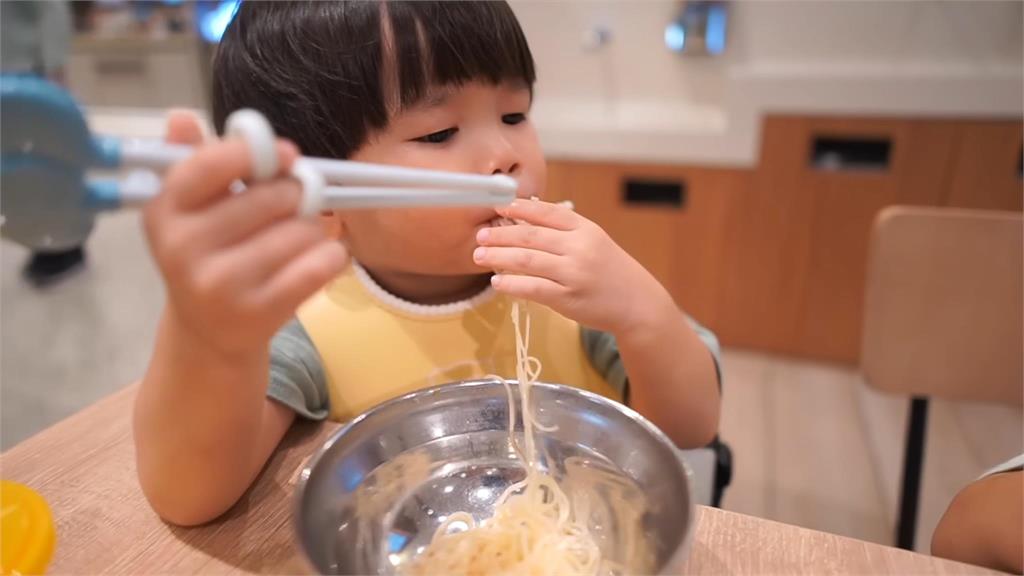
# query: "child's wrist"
202,349
649,318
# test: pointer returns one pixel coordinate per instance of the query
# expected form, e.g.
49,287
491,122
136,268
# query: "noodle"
533,529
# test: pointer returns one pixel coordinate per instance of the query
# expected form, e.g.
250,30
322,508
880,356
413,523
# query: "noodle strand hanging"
533,529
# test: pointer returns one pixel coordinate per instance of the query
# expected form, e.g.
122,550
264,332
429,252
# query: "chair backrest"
943,306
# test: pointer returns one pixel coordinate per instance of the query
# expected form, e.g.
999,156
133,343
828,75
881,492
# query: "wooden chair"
942,318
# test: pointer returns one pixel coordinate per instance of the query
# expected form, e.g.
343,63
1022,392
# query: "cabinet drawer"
797,281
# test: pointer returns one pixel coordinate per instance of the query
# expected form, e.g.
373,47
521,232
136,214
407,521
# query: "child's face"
476,128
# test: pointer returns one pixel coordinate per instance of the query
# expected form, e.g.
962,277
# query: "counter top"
729,134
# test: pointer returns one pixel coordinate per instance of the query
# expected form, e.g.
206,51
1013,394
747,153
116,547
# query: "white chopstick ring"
255,130
313,184
253,127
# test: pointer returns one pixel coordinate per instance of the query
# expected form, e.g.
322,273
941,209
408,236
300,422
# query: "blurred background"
742,151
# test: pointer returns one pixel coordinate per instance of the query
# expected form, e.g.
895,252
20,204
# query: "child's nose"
510,170
503,159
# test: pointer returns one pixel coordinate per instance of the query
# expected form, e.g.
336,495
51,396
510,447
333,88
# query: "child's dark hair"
321,73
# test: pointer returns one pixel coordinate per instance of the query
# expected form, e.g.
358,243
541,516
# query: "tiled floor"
799,452
68,345
813,446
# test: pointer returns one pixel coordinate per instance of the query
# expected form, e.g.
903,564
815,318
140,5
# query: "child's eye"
438,137
513,119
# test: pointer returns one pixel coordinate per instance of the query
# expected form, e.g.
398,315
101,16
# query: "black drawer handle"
671,193
850,154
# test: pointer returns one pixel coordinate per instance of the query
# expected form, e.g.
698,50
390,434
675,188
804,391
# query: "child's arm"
984,524
235,266
203,426
567,262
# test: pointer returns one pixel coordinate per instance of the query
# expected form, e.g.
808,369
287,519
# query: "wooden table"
85,468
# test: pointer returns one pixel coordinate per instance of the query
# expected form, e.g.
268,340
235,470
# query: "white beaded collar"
403,305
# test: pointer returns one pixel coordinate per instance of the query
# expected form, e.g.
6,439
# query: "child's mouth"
500,221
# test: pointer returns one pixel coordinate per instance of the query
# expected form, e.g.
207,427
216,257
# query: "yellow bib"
375,347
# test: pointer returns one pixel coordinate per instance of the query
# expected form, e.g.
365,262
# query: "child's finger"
541,213
257,260
528,236
205,176
521,261
303,276
542,290
242,215
183,128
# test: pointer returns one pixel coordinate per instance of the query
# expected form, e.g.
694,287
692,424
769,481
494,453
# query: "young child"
984,523
251,337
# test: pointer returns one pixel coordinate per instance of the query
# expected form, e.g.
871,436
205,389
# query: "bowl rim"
675,560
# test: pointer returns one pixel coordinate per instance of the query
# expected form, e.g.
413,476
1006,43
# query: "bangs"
328,74
440,44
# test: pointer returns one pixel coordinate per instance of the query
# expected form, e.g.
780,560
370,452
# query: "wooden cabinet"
795,278
986,171
775,258
844,204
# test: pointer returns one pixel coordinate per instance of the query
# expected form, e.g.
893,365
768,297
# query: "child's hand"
236,265
562,260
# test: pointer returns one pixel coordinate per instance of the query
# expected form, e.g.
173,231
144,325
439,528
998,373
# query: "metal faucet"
699,28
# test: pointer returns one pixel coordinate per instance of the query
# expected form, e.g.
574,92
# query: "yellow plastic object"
26,530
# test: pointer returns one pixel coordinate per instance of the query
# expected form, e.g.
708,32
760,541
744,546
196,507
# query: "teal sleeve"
603,352
1014,464
297,377
711,341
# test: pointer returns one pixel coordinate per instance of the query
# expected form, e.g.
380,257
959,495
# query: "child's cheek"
532,185
539,176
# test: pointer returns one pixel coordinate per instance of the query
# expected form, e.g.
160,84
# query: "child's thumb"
183,128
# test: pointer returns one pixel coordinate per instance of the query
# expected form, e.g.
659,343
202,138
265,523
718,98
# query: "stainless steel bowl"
372,497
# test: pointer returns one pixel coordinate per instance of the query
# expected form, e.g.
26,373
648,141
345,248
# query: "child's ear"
333,224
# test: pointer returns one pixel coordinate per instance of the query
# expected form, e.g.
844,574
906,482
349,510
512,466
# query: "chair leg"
913,463
723,471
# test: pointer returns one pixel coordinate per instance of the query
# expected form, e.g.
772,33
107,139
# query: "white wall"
635,64
874,33
925,36
634,100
